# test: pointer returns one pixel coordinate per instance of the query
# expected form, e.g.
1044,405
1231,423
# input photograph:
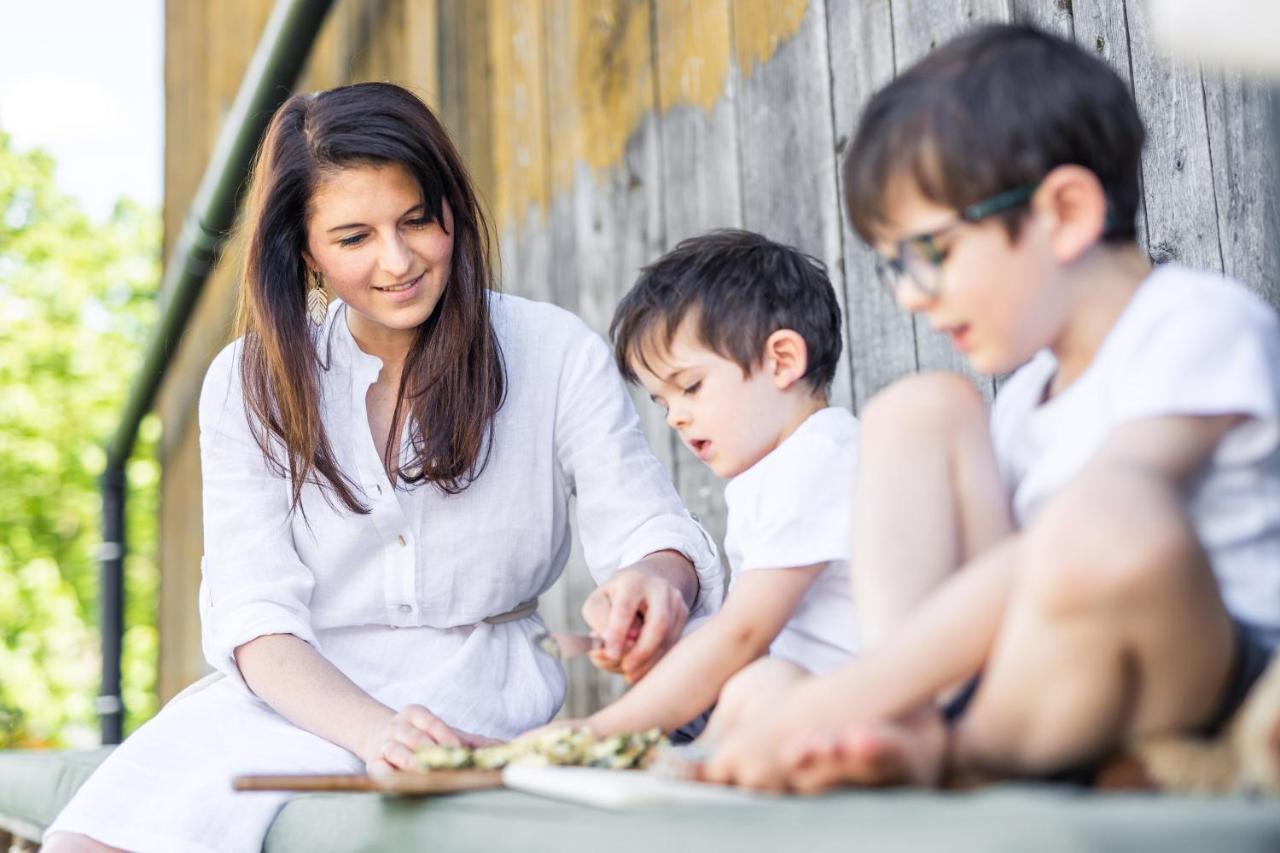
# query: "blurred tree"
77,298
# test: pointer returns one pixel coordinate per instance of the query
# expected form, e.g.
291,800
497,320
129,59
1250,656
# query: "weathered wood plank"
1052,16
697,84
465,80
519,137
1182,222
1101,26
1245,177
918,27
880,336
606,220
421,46
561,152
562,604
787,139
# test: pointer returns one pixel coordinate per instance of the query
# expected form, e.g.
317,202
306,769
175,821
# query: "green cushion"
35,785
1013,818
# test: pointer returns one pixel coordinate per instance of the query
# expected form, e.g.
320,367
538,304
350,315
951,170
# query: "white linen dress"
395,599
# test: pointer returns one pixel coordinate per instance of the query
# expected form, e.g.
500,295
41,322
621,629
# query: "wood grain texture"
879,336
787,144
1177,175
1101,26
699,181
918,27
1052,16
1243,150
402,783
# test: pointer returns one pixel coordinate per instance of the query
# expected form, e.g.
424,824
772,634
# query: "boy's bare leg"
929,495
1114,629
929,499
755,685
1117,630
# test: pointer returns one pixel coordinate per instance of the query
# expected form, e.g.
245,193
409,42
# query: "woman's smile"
404,291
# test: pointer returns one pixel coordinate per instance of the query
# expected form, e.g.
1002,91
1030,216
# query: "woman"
386,493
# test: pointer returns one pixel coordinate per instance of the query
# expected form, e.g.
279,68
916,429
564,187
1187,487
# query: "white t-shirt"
1189,343
795,508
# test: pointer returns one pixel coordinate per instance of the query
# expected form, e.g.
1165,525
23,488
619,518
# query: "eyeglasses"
919,260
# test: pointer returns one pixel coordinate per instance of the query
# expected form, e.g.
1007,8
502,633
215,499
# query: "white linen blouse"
432,563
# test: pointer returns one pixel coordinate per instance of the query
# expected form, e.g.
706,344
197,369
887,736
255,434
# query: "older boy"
1107,554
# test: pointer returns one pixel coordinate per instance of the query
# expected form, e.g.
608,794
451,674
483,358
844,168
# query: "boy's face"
997,300
728,420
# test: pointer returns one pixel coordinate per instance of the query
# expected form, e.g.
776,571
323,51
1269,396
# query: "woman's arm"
310,692
687,681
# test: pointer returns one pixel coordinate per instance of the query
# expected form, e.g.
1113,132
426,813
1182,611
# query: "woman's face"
374,242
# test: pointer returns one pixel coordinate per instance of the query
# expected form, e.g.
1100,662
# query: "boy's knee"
760,679
933,402
1110,546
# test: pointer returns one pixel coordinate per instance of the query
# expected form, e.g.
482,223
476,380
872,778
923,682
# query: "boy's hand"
639,613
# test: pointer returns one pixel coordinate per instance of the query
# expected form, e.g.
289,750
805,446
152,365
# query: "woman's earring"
317,299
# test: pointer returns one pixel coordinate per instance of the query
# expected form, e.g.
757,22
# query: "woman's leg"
71,842
929,495
168,786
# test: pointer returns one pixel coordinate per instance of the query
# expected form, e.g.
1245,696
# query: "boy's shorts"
1250,660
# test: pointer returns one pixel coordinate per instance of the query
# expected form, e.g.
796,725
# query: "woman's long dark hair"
453,381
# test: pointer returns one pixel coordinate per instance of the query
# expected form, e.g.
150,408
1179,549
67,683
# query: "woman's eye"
353,240
420,221
693,389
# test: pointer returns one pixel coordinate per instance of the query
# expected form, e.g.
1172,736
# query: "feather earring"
317,299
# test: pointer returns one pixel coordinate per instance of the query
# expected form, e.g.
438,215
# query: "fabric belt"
520,611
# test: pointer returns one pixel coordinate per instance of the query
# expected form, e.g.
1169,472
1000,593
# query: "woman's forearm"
303,687
676,569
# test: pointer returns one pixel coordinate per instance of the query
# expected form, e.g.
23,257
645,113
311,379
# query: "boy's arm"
687,681
949,636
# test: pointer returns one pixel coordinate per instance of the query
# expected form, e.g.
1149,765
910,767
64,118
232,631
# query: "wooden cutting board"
406,784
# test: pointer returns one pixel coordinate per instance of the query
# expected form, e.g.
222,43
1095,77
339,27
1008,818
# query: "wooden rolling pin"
408,784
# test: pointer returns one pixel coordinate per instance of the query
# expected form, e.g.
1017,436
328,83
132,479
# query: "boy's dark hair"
992,111
744,287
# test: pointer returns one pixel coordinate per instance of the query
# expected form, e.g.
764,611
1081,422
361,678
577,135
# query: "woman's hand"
640,612
392,744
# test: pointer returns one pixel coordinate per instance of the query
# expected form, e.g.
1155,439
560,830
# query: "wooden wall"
601,132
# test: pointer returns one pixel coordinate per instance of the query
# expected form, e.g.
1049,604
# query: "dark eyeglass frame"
897,269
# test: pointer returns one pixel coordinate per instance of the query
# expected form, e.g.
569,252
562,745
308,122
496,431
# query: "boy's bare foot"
910,750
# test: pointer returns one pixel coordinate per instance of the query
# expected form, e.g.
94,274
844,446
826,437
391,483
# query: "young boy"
738,338
1106,551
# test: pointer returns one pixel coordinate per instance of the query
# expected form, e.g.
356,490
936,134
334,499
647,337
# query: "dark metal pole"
109,705
268,81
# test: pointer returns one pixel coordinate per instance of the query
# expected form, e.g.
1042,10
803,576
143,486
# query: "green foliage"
76,303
